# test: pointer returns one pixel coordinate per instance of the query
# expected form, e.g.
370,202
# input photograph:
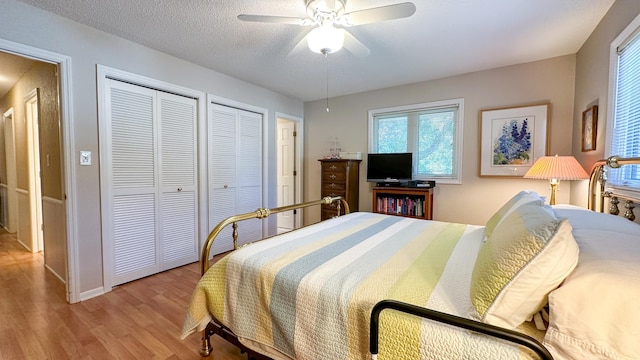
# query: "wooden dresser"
339,177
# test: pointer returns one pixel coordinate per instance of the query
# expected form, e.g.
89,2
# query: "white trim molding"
68,146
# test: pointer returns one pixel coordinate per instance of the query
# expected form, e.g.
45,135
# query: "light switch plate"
85,157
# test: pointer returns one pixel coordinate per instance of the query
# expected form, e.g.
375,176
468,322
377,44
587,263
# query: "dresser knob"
332,176
333,185
333,167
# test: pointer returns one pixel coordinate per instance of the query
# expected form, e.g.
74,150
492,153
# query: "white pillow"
585,219
595,314
529,253
521,198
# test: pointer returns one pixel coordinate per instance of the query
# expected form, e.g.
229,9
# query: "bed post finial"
629,212
613,205
613,162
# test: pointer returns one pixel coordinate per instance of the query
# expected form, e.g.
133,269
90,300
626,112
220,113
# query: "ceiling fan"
329,19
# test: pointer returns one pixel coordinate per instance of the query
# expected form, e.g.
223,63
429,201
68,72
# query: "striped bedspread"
308,294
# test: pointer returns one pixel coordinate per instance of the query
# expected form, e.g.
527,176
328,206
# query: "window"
431,131
624,129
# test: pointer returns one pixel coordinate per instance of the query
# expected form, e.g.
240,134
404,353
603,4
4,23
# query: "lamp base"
554,188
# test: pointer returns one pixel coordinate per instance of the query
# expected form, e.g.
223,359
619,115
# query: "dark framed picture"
589,128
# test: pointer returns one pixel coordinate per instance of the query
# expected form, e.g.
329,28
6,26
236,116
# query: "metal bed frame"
597,191
262,213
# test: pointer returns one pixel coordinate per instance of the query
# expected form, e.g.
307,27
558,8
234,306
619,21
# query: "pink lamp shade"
555,168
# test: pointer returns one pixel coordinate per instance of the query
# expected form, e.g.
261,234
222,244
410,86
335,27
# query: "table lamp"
554,169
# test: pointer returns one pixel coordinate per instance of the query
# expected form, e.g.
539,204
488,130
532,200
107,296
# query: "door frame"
67,145
299,156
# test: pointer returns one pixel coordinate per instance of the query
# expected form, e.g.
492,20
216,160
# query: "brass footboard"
494,331
261,213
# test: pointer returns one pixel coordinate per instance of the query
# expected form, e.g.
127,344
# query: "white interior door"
10,153
286,168
35,189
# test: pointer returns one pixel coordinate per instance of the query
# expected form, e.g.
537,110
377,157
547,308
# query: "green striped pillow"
521,198
529,253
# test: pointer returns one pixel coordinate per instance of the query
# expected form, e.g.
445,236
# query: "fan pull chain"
326,56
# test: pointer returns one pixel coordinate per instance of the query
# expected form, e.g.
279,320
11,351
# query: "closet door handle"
179,189
226,186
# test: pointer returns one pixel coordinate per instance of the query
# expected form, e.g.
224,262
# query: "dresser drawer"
337,167
333,186
334,193
333,176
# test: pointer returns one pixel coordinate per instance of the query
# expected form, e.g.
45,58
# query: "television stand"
415,202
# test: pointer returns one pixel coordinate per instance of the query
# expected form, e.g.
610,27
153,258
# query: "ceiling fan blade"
330,4
382,13
355,46
273,19
300,47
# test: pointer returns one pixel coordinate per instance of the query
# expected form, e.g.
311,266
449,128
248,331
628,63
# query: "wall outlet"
85,157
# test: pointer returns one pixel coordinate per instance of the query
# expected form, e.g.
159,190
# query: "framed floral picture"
511,139
589,128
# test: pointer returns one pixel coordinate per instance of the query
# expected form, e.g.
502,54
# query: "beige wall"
477,198
592,83
41,76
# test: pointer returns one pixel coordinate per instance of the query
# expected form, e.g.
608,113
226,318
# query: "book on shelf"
398,205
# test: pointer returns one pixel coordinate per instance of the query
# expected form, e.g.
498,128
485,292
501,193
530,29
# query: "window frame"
630,34
428,106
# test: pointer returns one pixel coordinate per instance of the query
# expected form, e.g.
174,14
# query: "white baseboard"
24,245
86,295
54,273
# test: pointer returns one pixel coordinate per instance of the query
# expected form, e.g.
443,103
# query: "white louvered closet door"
249,174
234,171
149,225
133,182
178,180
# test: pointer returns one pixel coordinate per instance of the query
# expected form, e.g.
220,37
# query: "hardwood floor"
138,320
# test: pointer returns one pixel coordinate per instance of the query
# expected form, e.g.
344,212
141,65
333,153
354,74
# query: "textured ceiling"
12,67
443,38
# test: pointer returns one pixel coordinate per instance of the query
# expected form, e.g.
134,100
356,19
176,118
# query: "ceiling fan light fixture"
325,39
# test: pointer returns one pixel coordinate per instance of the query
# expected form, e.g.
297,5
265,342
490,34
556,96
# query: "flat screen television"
390,167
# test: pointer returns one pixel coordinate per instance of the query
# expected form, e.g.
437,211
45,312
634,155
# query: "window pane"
432,132
625,137
436,148
392,135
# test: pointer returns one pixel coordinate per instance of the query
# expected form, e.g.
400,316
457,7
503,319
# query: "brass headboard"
599,191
